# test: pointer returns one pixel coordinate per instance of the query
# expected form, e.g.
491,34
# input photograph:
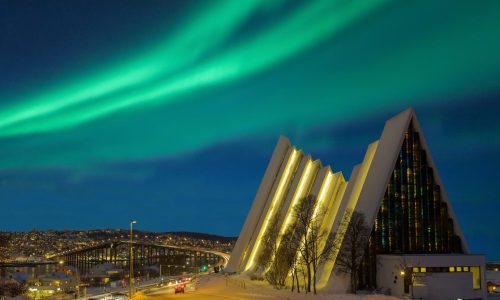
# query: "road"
168,290
149,288
213,286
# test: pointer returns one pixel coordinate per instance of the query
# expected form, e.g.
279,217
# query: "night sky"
168,111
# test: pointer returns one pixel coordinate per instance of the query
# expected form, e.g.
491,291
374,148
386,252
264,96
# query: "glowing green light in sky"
213,26
92,99
215,78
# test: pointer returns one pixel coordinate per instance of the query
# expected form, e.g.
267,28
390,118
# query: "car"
179,288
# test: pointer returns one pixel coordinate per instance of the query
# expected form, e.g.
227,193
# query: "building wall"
493,278
394,270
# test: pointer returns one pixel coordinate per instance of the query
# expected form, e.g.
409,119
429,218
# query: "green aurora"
375,55
137,107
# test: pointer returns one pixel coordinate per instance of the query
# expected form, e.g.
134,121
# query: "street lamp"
131,261
161,274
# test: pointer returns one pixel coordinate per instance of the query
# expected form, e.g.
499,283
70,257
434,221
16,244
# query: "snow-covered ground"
217,286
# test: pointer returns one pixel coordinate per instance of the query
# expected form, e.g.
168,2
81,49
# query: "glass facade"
412,218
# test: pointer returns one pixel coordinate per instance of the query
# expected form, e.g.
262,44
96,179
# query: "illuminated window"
415,270
452,269
423,270
466,269
459,269
476,278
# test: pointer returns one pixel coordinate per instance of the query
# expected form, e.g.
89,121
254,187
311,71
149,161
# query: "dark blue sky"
168,112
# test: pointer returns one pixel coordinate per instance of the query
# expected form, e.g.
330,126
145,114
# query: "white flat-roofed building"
428,276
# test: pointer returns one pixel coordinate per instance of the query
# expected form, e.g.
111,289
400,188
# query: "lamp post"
131,261
161,273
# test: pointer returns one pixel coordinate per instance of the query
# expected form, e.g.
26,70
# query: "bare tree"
279,268
268,244
275,260
300,250
352,248
295,271
314,245
287,253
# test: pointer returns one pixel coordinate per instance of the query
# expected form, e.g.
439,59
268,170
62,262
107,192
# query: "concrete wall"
428,285
493,276
389,277
446,286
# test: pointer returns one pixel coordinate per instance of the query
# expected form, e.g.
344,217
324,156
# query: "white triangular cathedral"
398,189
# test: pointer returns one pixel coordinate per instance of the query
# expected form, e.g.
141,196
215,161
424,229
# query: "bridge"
176,259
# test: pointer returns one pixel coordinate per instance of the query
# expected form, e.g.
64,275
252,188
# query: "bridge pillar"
136,257
87,259
78,260
142,255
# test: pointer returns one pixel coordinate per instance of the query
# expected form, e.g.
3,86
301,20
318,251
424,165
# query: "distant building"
64,280
416,245
493,277
61,281
104,273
